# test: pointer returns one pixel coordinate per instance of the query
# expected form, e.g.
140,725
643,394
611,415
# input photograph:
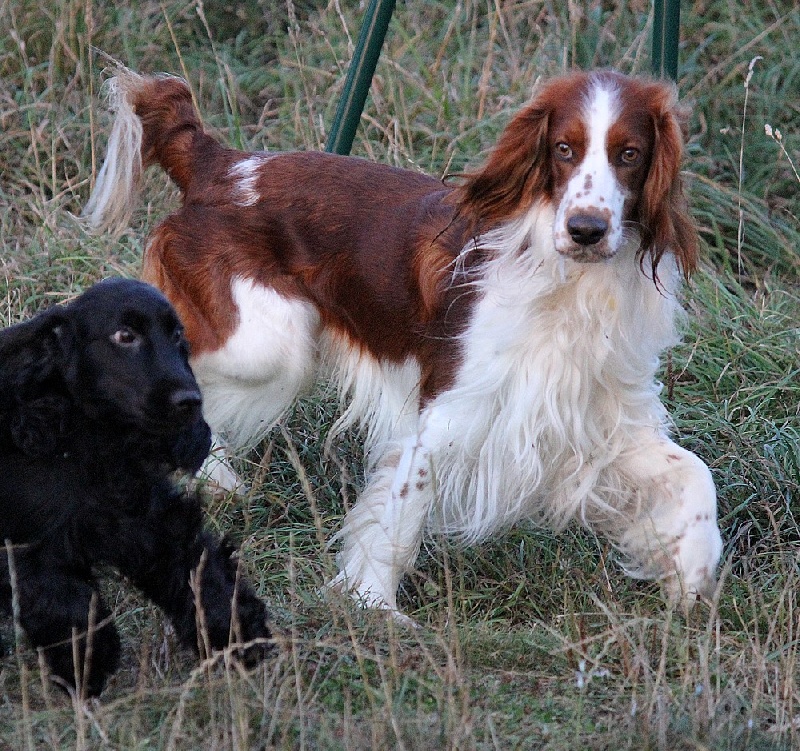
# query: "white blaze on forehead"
600,111
594,189
604,189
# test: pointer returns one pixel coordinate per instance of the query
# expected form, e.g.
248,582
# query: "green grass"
530,641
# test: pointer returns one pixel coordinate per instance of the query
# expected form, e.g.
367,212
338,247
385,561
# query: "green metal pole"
666,33
359,76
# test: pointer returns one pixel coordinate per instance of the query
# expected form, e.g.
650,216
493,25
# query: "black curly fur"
98,408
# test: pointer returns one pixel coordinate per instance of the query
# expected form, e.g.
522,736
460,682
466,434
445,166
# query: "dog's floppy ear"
31,352
34,406
664,214
517,169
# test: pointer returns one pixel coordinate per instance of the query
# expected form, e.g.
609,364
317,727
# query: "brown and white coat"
498,340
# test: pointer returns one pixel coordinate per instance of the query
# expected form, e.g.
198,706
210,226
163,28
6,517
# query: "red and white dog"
498,340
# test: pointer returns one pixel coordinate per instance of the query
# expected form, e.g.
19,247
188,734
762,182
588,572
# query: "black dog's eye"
177,336
126,338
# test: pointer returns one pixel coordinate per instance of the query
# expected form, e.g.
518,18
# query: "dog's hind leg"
252,381
271,357
218,472
61,612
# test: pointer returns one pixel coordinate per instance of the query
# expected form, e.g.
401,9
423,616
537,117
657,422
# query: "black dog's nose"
586,229
185,400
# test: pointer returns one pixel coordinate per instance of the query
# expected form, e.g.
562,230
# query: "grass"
530,641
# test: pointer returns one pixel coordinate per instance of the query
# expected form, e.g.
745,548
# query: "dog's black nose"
586,229
185,400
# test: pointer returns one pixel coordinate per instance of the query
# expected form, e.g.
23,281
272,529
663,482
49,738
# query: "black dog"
98,407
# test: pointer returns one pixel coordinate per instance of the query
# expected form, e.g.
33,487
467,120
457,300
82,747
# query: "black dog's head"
121,352
116,353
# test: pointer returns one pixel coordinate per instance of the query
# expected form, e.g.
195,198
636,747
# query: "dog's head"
121,352
116,353
605,151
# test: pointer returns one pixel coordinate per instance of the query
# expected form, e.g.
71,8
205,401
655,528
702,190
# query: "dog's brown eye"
125,338
629,155
563,151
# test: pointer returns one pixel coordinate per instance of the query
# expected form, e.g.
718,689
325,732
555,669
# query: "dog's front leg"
192,576
383,531
674,536
63,613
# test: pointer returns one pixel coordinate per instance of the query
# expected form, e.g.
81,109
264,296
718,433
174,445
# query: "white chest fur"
558,380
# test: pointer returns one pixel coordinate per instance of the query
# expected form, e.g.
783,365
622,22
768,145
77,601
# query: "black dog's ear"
34,406
30,353
63,349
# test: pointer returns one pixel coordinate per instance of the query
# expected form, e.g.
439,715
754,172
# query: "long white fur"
554,417
561,348
381,397
110,204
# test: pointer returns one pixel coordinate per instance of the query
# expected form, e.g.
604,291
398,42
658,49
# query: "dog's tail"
155,123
